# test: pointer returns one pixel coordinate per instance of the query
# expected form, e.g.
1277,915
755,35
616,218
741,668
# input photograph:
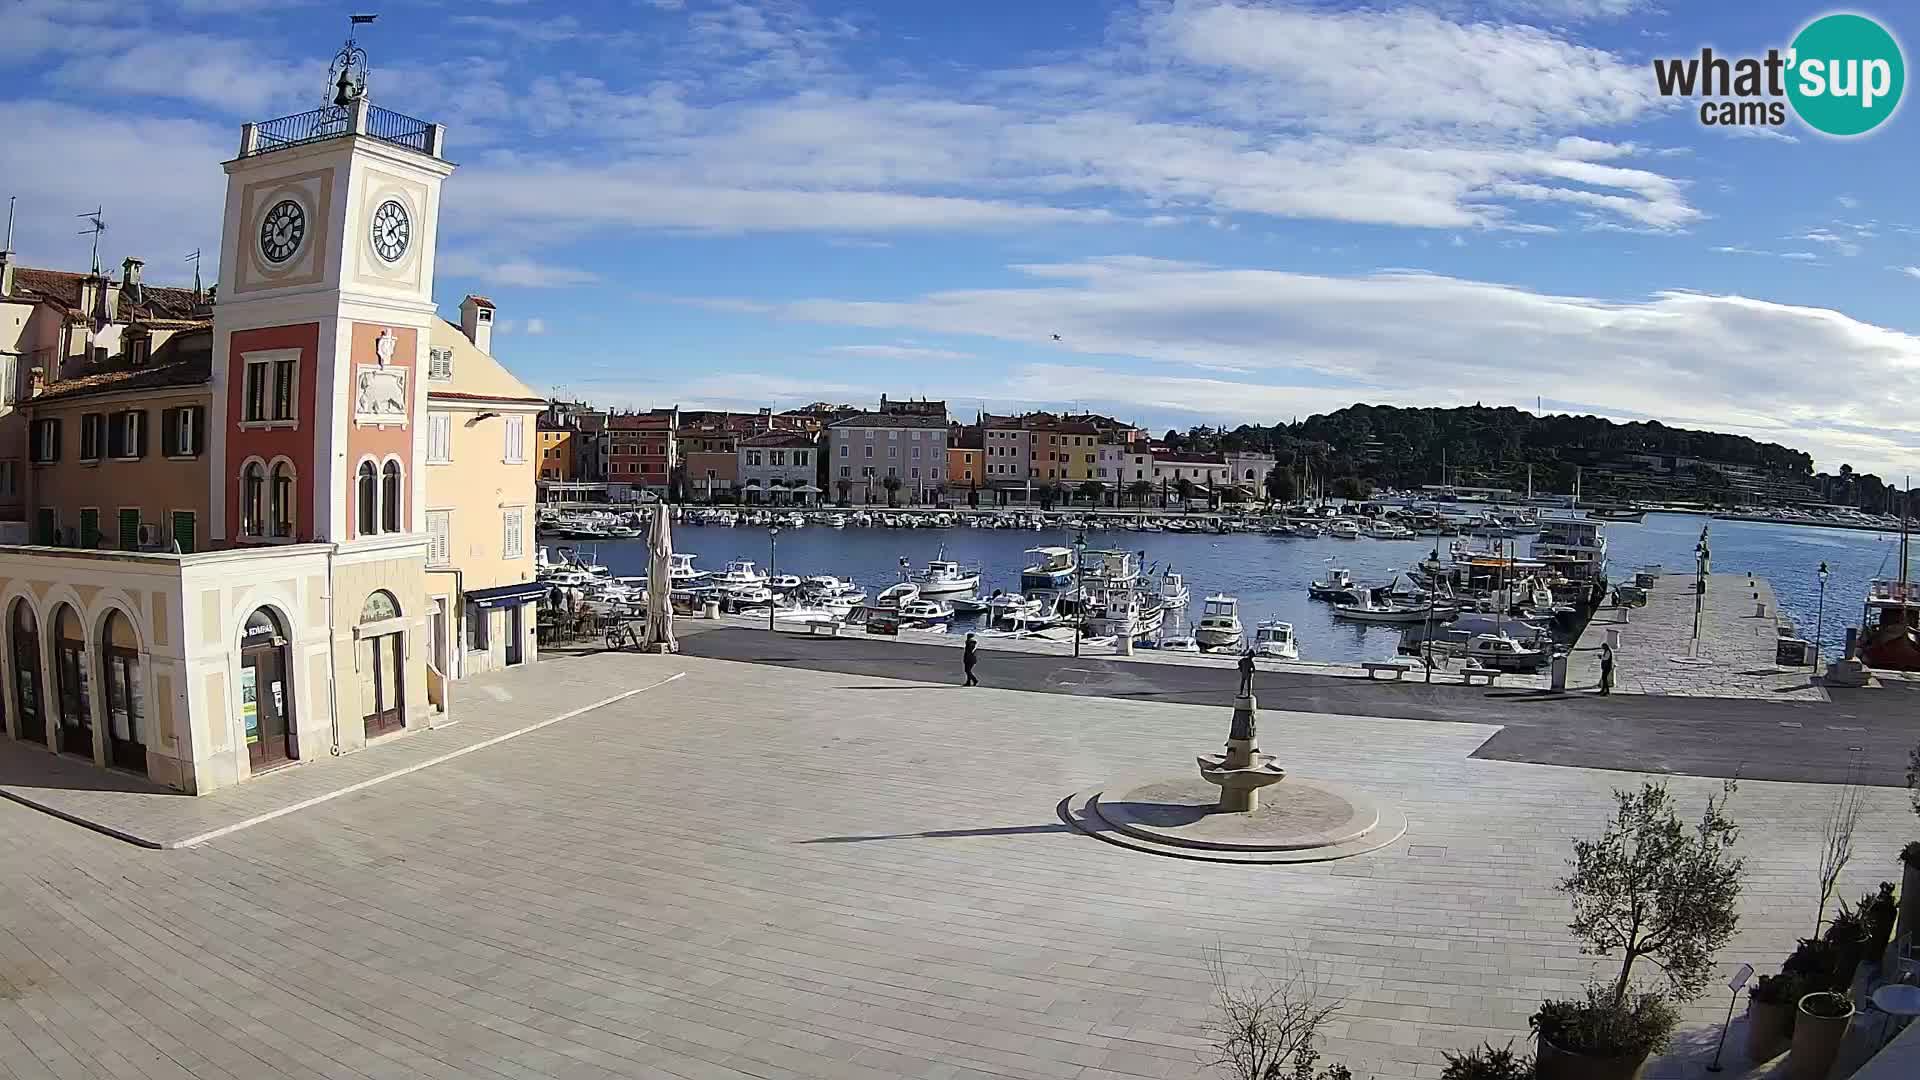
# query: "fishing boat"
967,605
1053,570
944,578
1344,529
1890,625
1388,530
1371,609
1336,585
1617,513
1115,605
739,574
783,582
1219,626
1274,639
1173,591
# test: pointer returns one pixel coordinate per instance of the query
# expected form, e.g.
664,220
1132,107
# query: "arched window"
367,499
380,607
282,500
252,485
390,497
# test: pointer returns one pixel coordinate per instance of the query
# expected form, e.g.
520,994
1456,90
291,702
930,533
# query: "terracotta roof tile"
185,360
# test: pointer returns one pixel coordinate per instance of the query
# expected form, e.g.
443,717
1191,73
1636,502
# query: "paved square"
767,872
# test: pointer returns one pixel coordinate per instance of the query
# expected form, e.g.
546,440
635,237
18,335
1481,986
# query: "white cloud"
536,326
513,271
1847,202
898,352
1843,245
1726,362
1767,133
1910,271
1741,249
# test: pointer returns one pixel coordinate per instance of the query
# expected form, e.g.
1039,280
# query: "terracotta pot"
1554,1063
1769,1029
1816,1042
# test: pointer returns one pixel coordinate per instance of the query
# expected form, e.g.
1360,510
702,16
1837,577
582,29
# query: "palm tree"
1140,489
845,487
1184,487
1090,490
892,484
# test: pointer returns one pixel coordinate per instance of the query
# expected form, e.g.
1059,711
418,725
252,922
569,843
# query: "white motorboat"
739,573
894,597
1344,529
1022,613
680,569
1387,530
944,578
1502,653
754,595
783,582
1274,639
967,605
1219,625
924,611
1334,586
1053,570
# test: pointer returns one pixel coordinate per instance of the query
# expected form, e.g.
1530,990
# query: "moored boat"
1219,625
1274,639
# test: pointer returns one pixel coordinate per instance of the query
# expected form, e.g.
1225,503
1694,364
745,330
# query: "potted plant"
1817,1033
1486,1063
1603,1037
1909,891
1771,1003
1847,935
1879,910
1650,887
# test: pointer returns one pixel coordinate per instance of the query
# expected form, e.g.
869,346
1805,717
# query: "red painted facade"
296,443
380,441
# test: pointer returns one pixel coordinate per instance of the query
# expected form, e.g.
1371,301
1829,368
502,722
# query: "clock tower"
317,426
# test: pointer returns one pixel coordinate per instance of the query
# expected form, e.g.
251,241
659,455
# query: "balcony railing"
333,121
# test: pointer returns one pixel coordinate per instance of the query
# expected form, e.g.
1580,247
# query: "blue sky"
1229,210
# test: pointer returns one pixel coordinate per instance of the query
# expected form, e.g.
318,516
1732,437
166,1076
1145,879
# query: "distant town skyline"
1196,211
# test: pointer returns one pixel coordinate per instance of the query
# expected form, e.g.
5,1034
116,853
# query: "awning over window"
504,595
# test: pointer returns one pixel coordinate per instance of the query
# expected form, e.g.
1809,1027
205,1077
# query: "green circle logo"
1847,74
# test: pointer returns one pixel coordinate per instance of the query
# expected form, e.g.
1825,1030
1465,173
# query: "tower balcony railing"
361,117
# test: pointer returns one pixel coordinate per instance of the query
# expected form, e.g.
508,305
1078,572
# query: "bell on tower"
349,68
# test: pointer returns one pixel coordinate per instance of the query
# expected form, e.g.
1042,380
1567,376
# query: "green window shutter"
89,528
183,523
129,530
43,526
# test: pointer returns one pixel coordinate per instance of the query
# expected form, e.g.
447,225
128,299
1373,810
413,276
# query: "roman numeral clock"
392,231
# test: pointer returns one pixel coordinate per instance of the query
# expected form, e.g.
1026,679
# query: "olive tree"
1649,887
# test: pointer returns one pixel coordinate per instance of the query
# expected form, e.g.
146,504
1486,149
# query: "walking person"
1606,668
968,657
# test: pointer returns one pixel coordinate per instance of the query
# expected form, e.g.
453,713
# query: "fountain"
1237,809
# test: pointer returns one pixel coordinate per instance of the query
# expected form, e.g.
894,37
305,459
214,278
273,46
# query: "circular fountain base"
1299,820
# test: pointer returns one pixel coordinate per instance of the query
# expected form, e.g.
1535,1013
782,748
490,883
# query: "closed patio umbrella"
660,584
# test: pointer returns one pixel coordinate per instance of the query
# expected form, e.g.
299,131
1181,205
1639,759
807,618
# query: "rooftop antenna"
348,72
11,199
194,258
98,225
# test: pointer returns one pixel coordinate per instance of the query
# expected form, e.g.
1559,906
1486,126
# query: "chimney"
476,321
130,280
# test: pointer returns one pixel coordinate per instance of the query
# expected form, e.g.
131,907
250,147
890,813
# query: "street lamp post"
1820,619
1080,592
1701,555
773,532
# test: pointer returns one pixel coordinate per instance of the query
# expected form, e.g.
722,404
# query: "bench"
1374,666
1467,675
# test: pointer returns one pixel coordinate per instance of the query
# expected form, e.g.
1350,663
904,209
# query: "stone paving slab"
129,807
771,872
1739,625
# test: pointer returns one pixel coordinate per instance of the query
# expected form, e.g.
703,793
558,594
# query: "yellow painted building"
480,464
555,449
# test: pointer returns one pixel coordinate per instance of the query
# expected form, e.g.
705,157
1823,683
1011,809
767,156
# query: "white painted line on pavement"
196,841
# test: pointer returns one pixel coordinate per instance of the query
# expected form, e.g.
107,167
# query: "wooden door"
266,706
386,689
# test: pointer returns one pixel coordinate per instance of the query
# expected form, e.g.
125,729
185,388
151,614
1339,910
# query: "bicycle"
622,635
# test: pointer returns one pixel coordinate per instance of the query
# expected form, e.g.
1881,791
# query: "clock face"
282,230
392,230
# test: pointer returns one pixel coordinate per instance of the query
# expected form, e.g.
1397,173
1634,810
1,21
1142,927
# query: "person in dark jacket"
968,657
1606,669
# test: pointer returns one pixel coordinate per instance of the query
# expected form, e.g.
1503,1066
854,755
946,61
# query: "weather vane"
348,72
